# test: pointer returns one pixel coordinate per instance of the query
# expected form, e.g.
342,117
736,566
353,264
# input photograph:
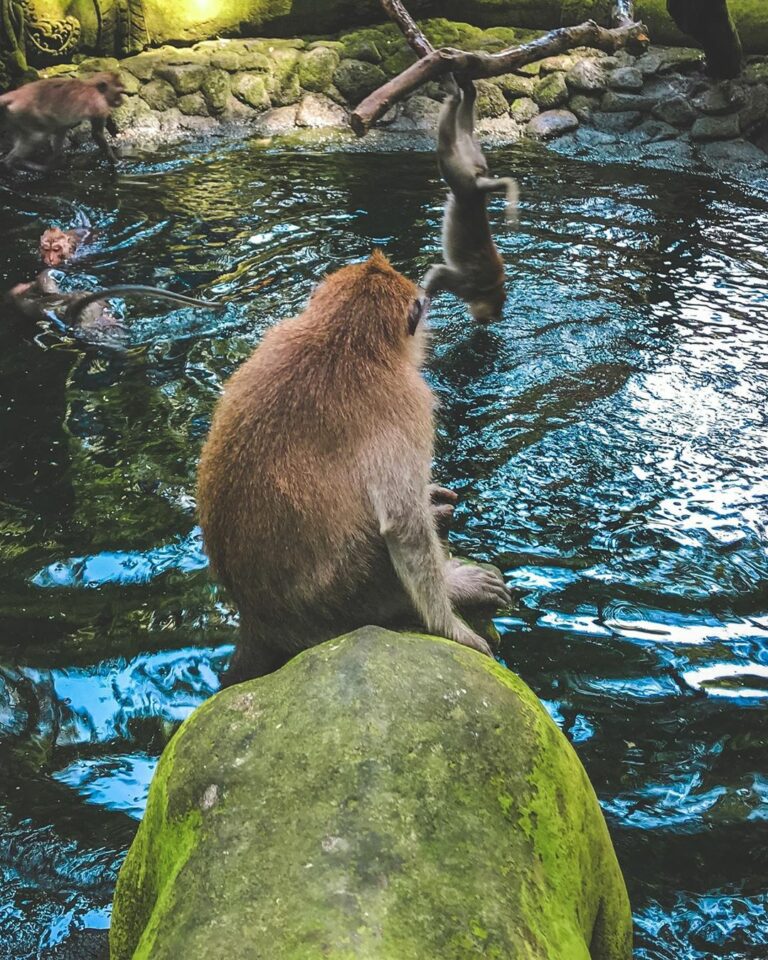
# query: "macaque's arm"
406,524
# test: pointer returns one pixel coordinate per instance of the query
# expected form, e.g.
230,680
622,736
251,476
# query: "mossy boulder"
316,69
216,89
385,796
356,79
251,90
158,94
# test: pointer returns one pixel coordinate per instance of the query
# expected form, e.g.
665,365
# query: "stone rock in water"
382,796
552,123
587,76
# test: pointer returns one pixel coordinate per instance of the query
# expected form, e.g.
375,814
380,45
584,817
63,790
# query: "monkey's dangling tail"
509,185
74,310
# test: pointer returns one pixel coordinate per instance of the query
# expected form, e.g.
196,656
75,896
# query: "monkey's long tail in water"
509,185
74,310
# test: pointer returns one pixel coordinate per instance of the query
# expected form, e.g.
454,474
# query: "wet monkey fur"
473,268
314,483
83,309
57,246
39,115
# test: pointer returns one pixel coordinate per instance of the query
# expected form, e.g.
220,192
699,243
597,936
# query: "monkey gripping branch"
475,65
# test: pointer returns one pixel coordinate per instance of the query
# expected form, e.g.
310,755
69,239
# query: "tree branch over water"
475,65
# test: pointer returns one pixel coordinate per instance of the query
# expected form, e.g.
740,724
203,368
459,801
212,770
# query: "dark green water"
608,440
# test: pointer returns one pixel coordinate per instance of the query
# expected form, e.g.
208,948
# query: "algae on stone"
382,795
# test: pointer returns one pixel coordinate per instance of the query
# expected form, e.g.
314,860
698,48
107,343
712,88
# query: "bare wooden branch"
622,13
416,39
479,64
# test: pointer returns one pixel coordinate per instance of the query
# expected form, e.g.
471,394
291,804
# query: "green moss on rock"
158,94
251,90
316,69
383,795
215,88
491,102
356,79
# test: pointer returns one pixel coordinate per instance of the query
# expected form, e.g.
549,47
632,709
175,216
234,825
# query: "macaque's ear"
417,312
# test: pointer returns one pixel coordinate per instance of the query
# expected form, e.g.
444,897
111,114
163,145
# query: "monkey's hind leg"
251,660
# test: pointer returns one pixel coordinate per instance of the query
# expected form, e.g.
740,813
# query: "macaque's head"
488,310
379,308
57,246
110,86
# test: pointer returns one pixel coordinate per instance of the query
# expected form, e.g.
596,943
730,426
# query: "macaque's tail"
74,310
509,185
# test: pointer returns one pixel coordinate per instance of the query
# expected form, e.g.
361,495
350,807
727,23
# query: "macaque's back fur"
295,442
58,103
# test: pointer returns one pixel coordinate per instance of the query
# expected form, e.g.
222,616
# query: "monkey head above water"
314,486
57,246
473,268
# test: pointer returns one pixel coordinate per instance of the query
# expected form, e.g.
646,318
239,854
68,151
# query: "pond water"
607,438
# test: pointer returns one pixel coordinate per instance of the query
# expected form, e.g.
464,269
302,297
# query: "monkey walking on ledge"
314,486
40,114
473,268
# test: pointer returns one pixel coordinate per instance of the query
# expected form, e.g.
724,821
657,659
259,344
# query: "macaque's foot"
468,638
472,587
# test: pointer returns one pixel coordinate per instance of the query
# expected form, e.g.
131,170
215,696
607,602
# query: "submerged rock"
383,795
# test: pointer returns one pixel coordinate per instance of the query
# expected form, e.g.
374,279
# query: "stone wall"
661,102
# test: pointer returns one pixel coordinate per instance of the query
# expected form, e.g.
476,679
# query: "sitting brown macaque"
473,268
58,246
314,490
39,115
83,310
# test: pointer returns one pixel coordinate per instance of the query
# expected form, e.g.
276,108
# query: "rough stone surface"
158,95
551,123
422,112
251,90
724,98
551,91
755,110
614,102
316,69
587,76
676,111
183,77
357,79
216,90
193,105
715,128
513,86
625,78
276,121
383,795
584,106
523,110
617,122
315,110
491,102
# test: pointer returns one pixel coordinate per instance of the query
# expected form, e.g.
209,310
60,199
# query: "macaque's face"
56,247
488,311
115,90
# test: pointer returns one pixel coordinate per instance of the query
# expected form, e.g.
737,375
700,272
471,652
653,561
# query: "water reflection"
607,438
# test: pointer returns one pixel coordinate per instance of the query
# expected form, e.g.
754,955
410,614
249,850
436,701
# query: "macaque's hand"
443,501
475,587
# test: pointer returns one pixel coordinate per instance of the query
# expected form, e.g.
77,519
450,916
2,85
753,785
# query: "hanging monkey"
473,268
